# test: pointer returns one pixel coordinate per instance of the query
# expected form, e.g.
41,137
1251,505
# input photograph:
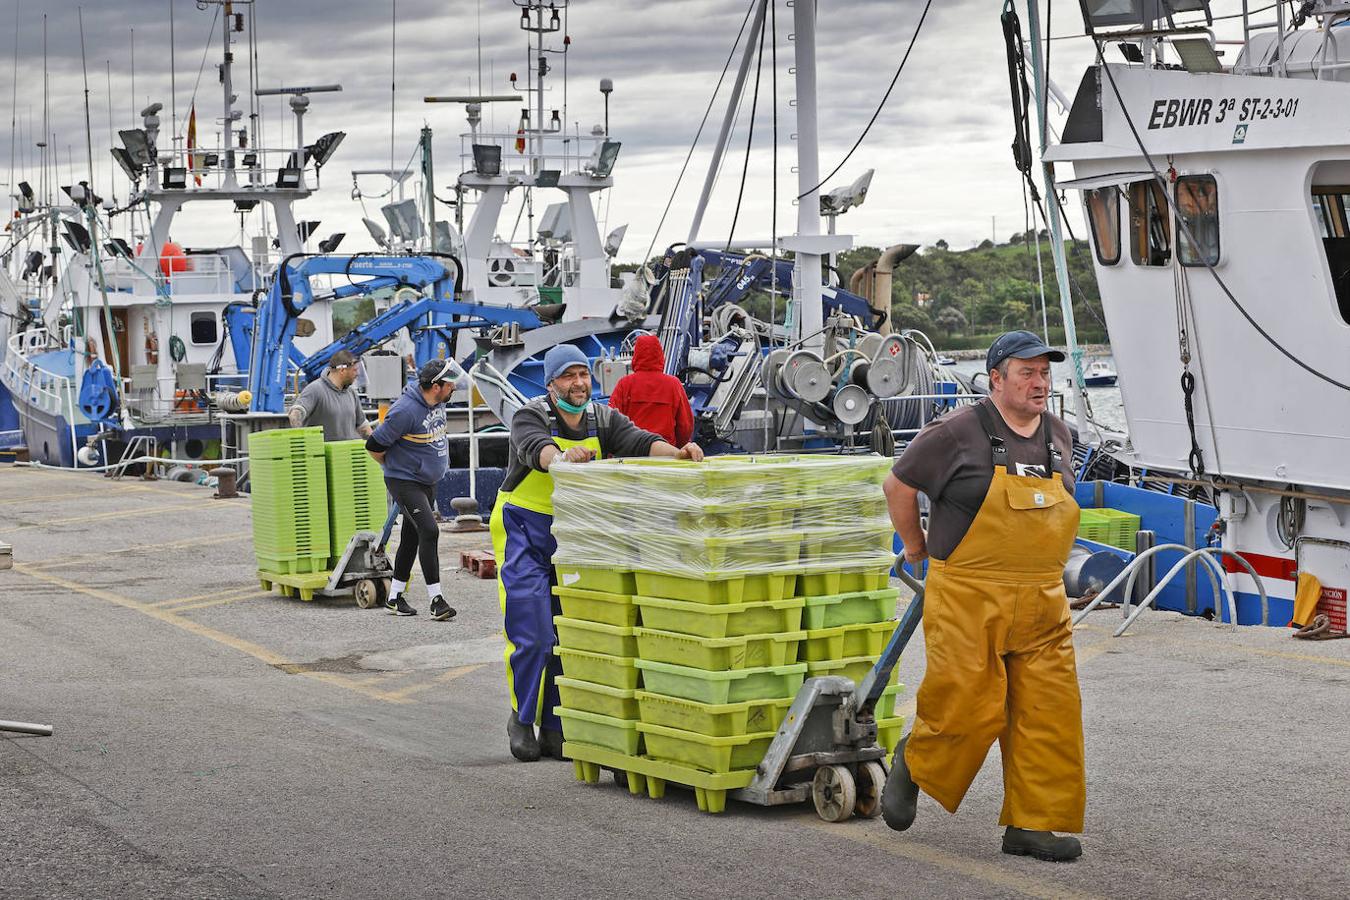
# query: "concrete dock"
212,740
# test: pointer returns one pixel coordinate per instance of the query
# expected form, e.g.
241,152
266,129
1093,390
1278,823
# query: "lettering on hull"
1192,111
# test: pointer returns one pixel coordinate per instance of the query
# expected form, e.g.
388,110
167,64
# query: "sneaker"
900,799
440,610
1044,845
398,606
524,745
551,743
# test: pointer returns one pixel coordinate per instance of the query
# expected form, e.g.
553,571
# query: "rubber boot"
900,798
1044,845
551,743
524,745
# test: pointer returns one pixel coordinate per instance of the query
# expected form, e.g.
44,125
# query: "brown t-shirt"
951,462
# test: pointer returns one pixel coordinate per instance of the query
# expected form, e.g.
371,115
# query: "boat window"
1150,225
1331,204
1104,216
1198,207
203,326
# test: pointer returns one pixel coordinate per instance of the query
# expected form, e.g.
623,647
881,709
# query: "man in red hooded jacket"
654,400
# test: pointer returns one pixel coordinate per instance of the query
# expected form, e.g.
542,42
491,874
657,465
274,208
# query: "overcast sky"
940,147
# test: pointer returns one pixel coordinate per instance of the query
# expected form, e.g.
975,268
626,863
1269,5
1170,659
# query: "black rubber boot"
1044,845
551,743
900,799
524,745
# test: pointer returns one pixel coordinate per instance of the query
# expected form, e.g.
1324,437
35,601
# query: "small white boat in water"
1099,374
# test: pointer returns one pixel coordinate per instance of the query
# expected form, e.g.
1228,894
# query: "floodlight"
306,229
602,163
487,159
547,178
403,220
250,160
1197,55
77,236
138,146
330,244
175,178
119,247
323,149
209,160
841,200
1131,52
32,264
376,233
556,222
127,162
445,239
26,191
288,177
243,206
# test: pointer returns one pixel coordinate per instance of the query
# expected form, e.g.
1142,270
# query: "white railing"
30,383
568,153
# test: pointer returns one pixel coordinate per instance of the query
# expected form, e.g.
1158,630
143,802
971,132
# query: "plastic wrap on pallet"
724,515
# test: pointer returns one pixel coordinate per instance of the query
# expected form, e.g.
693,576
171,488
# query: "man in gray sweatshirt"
411,446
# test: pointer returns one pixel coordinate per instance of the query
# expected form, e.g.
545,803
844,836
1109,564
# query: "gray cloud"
940,146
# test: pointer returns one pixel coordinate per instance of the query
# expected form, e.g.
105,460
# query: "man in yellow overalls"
564,425
1002,519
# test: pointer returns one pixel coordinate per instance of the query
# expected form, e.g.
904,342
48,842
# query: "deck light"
175,178
487,159
288,177
605,157
127,162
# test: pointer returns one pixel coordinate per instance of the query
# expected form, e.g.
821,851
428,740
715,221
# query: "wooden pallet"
302,585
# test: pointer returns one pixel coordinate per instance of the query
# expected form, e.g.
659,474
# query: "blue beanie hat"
560,357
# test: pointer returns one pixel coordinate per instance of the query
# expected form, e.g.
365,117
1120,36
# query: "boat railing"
563,152
33,386
196,273
189,405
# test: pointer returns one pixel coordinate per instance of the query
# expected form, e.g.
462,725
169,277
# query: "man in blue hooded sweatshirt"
411,446
562,425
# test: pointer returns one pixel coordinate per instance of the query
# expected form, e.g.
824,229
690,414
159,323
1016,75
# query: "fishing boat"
125,335
1099,373
1212,174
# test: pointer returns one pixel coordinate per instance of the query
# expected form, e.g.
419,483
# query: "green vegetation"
963,299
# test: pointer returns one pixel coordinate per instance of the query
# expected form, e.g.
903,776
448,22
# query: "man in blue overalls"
564,425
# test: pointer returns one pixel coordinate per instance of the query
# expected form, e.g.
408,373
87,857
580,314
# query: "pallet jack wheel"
834,793
371,592
871,782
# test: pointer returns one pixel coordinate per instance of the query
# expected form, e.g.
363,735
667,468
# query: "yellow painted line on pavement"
443,678
247,647
250,594
1004,877
79,559
213,595
105,516
103,489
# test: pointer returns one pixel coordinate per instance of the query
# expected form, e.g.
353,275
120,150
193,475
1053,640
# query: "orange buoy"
172,259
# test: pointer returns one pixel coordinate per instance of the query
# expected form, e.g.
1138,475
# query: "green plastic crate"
717,587
822,645
588,696
889,732
594,578
712,719
600,668
282,443
886,703
849,609
827,580
598,606
293,565
867,508
620,735
694,554
595,637
718,654
844,544
721,620
712,754
730,518
855,667
867,640
730,686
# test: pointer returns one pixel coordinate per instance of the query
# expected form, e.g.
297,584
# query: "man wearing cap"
329,401
563,425
411,445
1002,518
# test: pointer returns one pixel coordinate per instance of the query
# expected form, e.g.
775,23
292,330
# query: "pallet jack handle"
874,683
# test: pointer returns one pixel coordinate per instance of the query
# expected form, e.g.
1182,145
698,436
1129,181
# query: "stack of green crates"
721,561
289,500
1113,527
356,494
598,648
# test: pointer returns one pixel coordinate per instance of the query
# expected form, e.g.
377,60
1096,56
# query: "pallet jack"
826,748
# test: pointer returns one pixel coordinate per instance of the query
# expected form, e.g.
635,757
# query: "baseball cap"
1018,345
438,370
